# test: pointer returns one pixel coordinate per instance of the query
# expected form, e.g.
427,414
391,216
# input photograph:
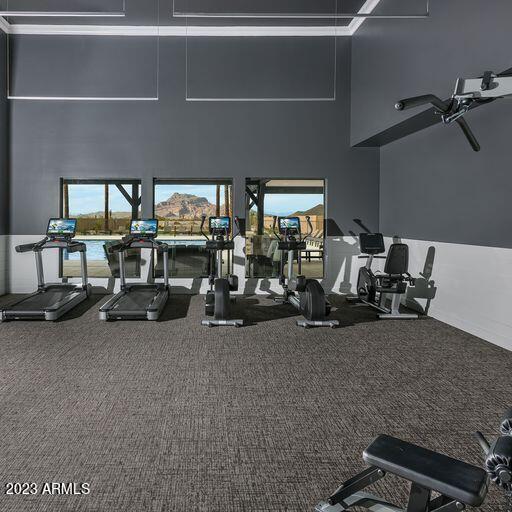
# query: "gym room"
255,255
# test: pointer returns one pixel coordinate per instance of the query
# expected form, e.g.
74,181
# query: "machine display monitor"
147,227
61,227
220,224
371,243
289,224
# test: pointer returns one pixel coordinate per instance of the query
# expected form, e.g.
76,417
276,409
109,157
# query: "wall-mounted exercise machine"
372,287
51,301
306,295
218,298
468,94
457,484
143,301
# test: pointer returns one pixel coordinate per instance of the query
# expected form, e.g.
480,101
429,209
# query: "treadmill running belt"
135,301
43,301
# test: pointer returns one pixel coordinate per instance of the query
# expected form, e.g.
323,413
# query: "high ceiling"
160,12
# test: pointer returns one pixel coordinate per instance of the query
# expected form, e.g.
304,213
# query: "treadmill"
51,301
138,301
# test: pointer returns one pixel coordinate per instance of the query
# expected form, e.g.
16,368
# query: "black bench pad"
450,477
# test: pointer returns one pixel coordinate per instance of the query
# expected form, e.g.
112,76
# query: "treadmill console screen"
220,224
148,227
61,227
289,225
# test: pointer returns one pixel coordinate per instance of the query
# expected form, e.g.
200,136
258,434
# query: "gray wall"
433,186
4,140
173,138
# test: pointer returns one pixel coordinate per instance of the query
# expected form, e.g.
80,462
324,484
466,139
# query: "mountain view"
101,215
186,206
316,210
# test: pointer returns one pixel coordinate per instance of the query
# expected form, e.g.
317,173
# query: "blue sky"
286,204
89,198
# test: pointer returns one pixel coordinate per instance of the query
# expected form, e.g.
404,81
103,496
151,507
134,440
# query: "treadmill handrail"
133,242
69,244
139,242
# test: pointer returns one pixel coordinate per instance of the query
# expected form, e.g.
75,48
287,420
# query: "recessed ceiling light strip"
364,12
48,14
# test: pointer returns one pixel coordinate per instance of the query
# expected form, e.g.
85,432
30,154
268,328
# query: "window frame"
193,181
288,178
97,181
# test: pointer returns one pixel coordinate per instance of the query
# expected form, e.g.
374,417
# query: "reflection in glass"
266,198
104,210
179,207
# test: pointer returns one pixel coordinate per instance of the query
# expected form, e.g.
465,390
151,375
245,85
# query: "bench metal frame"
350,494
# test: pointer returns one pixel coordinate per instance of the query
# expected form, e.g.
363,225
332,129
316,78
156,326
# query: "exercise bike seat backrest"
397,261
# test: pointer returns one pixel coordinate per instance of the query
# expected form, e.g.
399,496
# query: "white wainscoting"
470,287
340,269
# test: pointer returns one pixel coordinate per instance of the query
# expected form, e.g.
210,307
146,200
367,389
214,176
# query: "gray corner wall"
4,139
433,186
449,204
4,167
178,139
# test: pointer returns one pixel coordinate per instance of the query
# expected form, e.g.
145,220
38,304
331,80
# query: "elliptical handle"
203,220
310,227
237,225
274,228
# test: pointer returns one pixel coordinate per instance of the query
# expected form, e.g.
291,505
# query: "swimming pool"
96,252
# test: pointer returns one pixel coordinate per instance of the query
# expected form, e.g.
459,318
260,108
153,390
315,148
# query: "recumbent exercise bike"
457,483
373,288
306,295
218,298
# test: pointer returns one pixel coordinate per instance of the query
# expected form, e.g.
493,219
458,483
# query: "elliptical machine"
373,288
306,295
218,298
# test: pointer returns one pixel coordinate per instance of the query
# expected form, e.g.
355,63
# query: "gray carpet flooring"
173,416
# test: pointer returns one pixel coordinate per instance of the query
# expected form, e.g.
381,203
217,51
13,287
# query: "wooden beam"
261,209
135,201
294,190
226,200
250,193
106,212
66,200
127,196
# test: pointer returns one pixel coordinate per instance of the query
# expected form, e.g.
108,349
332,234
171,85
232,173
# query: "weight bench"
458,484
